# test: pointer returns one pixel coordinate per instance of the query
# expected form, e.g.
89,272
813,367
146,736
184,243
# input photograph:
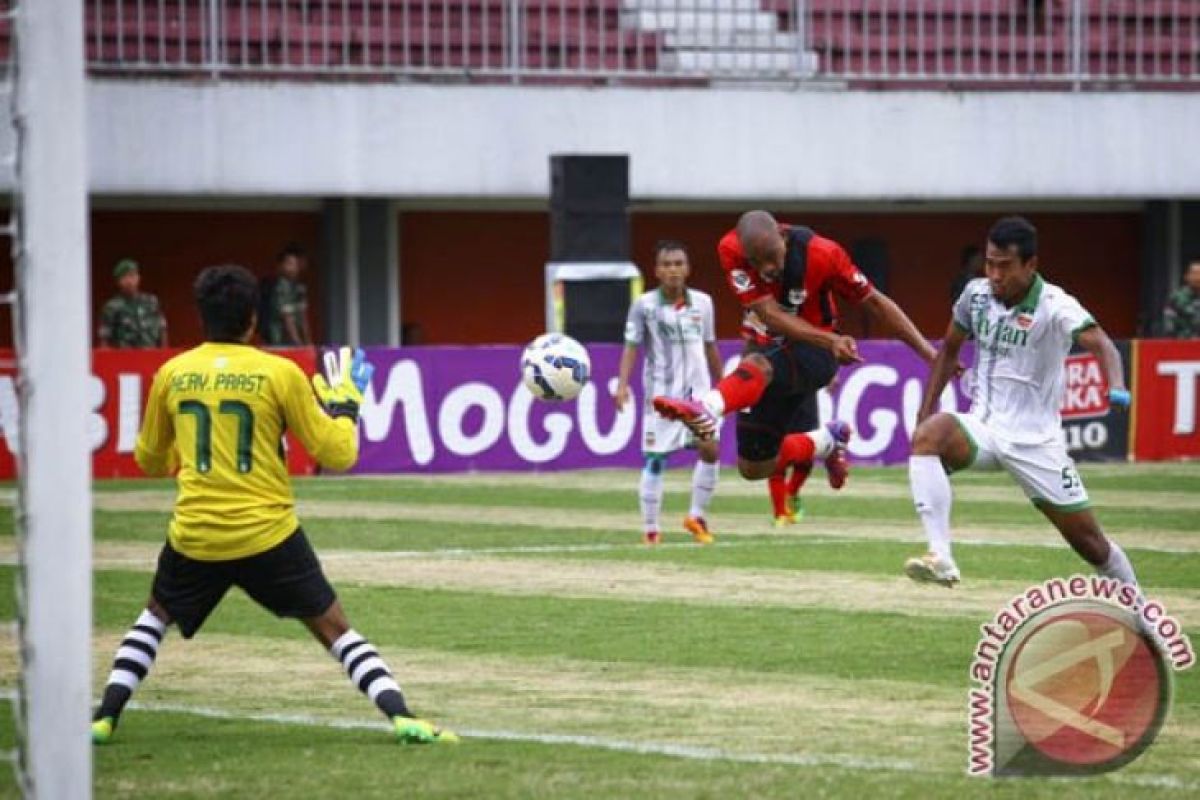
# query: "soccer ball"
555,367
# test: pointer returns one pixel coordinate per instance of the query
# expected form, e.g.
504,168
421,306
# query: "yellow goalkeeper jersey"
218,413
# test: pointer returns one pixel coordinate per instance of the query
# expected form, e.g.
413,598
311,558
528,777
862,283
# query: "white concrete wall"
176,138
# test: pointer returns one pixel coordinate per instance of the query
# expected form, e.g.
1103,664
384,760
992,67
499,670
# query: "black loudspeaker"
594,311
589,201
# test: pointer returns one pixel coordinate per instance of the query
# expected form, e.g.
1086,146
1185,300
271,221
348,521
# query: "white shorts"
662,436
1044,471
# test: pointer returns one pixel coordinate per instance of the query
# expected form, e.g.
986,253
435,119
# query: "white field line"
728,525
641,748
842,761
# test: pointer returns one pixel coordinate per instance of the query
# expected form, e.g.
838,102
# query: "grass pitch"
522,611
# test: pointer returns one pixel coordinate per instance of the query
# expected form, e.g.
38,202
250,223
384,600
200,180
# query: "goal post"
52,342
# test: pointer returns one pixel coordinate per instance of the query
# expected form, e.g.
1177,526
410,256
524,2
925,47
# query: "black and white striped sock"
132,663
369,673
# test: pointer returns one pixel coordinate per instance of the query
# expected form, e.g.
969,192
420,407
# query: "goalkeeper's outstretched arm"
327,424
331,441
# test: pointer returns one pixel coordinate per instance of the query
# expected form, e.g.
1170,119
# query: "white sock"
1117,566
704,483
932,497
650,494
823,442
138,650
714,402
368,672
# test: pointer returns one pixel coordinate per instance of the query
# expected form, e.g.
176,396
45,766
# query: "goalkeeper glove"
348,375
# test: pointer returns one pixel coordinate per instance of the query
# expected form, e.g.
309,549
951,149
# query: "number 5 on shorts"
1070,478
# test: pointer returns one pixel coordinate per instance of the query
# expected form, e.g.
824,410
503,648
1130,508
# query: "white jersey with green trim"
673,335
1019,356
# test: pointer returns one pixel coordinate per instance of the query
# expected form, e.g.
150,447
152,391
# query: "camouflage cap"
124,267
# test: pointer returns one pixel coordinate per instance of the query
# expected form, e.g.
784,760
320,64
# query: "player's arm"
635,334
780,322
716,370
884,310
945,365
155,448
624,370
328,433
713,356
1096,341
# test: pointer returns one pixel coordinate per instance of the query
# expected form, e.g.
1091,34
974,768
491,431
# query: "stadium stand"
1004,39
898,43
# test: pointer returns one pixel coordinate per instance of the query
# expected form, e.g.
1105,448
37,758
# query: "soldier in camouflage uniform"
288,326
1181,318
131,319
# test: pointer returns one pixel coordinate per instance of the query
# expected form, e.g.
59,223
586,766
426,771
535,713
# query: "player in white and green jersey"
676,327
1023,328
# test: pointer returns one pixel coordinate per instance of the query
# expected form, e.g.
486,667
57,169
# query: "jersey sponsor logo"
1024,321
796,297
999,335
741,280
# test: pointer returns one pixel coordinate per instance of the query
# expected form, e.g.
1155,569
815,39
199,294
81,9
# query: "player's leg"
650,492
1048,476
760,430
135,656
782,487
184,592
1082,531
704,483
812,369
288,581
660,438
940,443
763,447
740,389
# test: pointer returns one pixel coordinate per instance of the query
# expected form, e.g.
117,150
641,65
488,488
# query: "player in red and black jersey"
789,281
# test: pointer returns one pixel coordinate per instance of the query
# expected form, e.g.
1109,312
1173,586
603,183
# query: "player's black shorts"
789,403
286,580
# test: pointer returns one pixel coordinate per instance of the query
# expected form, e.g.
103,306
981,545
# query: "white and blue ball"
555,367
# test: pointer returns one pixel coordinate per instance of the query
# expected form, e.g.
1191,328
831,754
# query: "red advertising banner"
116,396
1167,415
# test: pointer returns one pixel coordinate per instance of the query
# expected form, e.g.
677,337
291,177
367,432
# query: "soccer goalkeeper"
217,413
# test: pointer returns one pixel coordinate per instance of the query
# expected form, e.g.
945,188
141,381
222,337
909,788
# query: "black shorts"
789,404
286,580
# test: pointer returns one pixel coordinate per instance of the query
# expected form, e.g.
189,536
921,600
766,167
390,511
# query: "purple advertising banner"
454,409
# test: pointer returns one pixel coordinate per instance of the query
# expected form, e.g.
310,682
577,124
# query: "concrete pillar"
359,251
